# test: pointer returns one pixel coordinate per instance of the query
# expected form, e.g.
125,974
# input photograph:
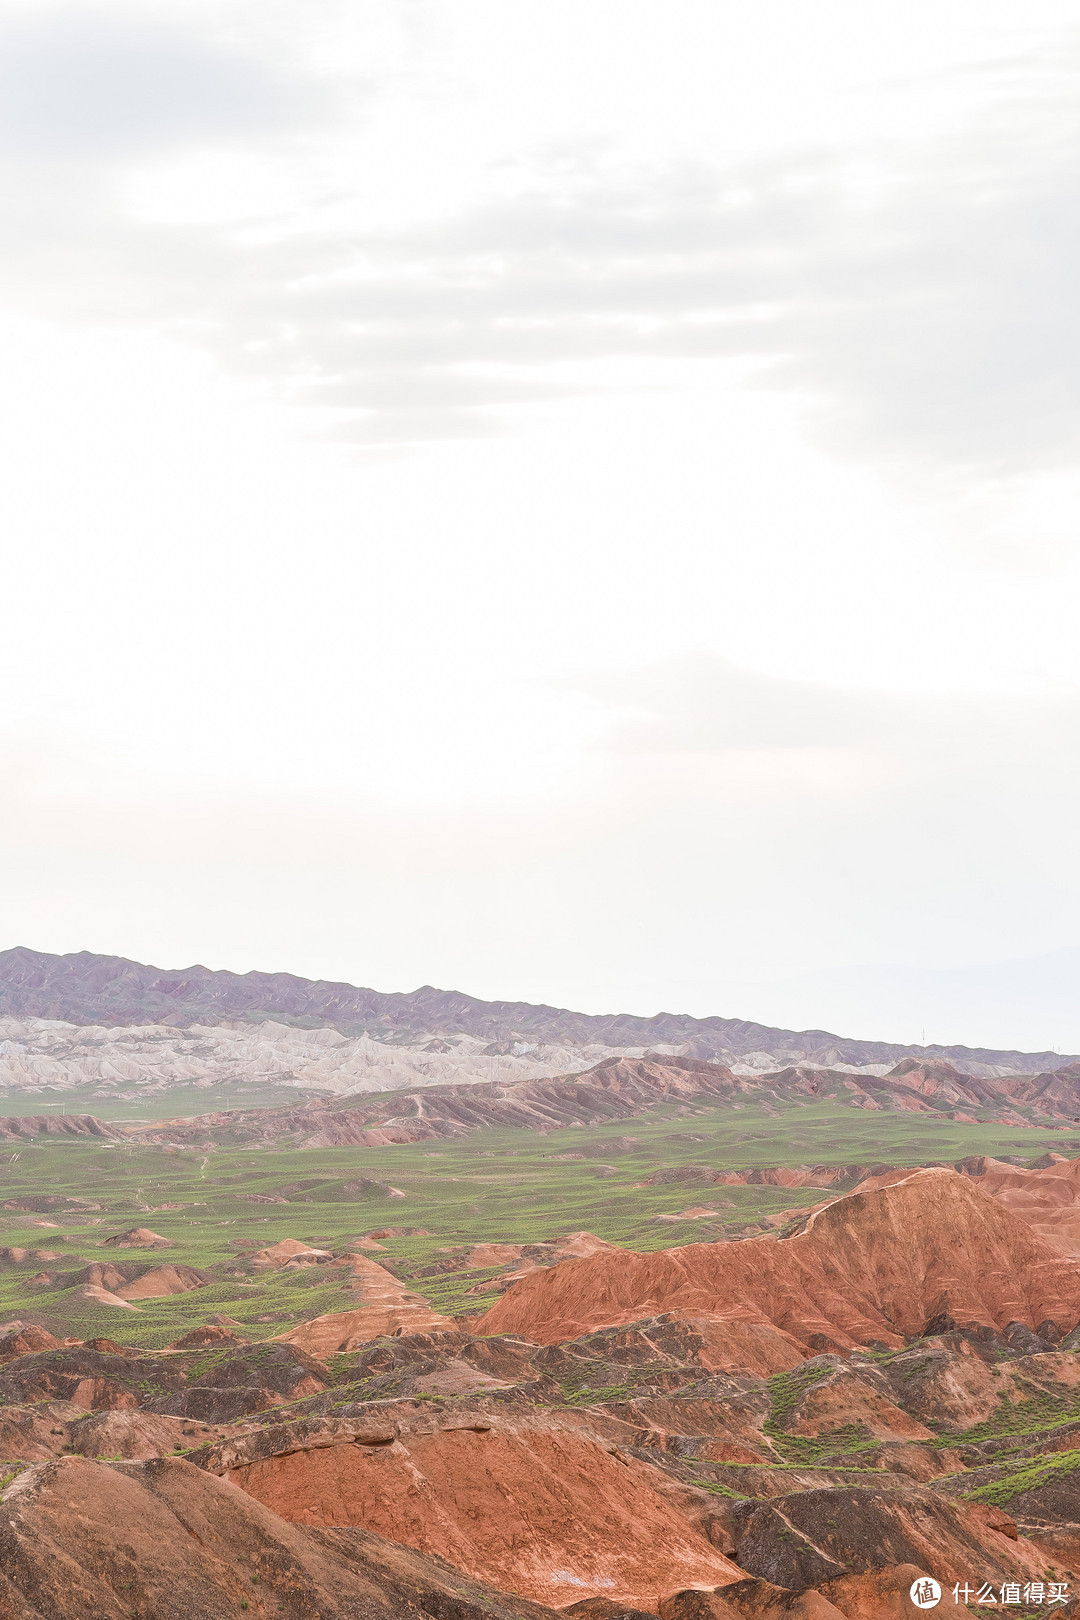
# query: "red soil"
529,1508
878,1265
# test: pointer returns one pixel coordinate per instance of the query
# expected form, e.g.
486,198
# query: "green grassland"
498,1185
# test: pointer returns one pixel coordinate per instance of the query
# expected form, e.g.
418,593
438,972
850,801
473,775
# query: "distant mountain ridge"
625,1089
85,988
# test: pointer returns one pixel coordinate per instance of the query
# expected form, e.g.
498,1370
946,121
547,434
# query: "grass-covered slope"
512,1187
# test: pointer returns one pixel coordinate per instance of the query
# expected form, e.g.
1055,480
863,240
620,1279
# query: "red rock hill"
880,1264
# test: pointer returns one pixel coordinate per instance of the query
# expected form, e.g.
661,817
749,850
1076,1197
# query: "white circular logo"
925,1593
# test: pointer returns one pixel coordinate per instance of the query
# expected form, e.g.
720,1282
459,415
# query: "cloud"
705,705
936,326
919,299
87,85
935,323
943,327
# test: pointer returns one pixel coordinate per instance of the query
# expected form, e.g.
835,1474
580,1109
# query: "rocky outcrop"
811,1537
855,1393
133,1434
27,1126
880,1595
287,1252
205,1386
88,1540
210,1335
30,1434
109,1274
387,1307
151,1058
117,1283
1046,1197
90,1379
528,1507
950,1387
250,1379
139,1237
23,1340
874,1266
94,1294
161,1281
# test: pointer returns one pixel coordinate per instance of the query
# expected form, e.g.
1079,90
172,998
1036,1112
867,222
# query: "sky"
568,503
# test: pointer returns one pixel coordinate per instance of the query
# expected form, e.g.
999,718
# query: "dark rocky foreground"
91,1541
623,1467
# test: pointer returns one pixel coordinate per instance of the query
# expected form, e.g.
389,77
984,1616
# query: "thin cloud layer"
705,705
920,300
101,85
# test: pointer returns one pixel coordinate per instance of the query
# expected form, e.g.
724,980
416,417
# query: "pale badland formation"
451,1308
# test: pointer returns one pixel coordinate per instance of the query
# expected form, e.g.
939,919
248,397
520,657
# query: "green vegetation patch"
786,1390
578,1391
1038,1412
823,1450
1029,1478
509,1186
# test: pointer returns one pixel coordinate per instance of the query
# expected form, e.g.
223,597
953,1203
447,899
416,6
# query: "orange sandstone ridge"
884,1263
528,1507
1046,1196
388,1307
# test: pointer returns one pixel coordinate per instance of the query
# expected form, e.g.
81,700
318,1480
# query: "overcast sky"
573,502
